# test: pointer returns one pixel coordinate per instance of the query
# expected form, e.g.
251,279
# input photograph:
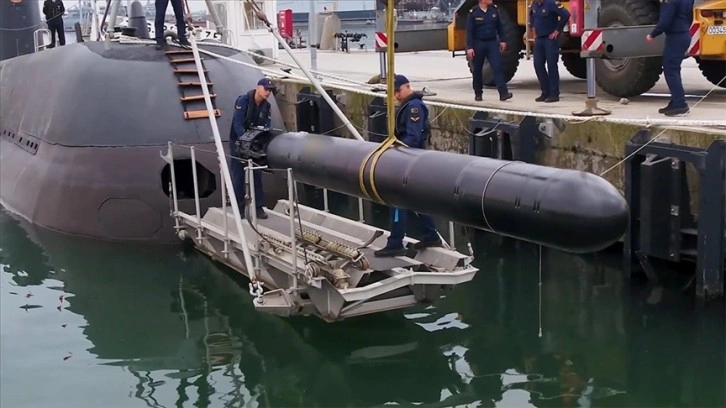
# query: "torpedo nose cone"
595,211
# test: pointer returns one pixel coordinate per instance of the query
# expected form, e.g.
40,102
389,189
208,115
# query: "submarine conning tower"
18,21
82,128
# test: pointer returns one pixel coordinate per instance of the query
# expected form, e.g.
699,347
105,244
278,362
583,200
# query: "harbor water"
86,323
92,324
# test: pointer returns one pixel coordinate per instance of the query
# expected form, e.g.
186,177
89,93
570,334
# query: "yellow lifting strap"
391,139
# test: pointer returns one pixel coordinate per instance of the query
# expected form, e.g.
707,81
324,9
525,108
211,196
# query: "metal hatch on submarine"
82,126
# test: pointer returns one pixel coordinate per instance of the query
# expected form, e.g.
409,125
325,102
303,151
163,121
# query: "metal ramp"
302,261
329,276
331,273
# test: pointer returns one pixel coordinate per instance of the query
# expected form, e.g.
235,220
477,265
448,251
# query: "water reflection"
175,329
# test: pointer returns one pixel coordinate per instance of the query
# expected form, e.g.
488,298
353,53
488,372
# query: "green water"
88,324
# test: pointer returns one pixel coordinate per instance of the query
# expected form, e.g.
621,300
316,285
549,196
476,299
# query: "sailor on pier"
547,18
53,11
675,21
485,41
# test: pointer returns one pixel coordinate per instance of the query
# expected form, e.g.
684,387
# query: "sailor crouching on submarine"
413,129
250,110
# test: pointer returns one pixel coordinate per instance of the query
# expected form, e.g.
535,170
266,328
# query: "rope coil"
391,139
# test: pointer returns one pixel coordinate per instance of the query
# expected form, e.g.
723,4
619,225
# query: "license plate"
716,30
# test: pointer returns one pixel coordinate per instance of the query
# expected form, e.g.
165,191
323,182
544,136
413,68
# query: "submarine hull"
82,129
570,210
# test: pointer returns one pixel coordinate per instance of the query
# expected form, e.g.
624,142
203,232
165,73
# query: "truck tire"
628,77
510,56
714,71
575,65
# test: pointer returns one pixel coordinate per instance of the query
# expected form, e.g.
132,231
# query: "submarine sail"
18,21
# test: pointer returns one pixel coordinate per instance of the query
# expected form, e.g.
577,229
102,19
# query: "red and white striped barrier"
592,40
695,47
381,40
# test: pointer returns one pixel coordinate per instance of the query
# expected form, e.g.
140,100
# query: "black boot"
426,244
664,110
389,252
261,214
676,111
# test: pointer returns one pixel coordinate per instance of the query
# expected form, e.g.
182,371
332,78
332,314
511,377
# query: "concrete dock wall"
588,145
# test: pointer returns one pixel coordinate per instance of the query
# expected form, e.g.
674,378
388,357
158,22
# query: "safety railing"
361,218
251,205
38,35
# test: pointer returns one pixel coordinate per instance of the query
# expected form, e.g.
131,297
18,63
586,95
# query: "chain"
256,291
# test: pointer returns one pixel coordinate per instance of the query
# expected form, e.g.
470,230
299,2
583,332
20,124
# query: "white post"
225,251
252,208
112,16
451,234
313,36
196,194
360,210
293,241
173,189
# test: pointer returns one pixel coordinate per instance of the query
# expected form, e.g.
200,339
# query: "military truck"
626,65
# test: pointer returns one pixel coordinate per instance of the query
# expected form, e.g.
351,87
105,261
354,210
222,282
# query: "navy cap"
266,83
399,80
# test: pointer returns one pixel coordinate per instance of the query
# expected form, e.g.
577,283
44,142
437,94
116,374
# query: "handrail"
224,169
36,39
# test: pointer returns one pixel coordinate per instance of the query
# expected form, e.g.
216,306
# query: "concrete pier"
450,79
594,144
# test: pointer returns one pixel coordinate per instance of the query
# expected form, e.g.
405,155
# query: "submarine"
82,127
80,154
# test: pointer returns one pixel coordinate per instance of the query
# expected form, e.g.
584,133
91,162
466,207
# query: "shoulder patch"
414,114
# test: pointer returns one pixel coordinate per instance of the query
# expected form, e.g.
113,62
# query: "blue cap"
399,80
266,83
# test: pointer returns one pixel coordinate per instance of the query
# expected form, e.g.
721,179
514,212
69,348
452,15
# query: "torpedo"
82,127
573,211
